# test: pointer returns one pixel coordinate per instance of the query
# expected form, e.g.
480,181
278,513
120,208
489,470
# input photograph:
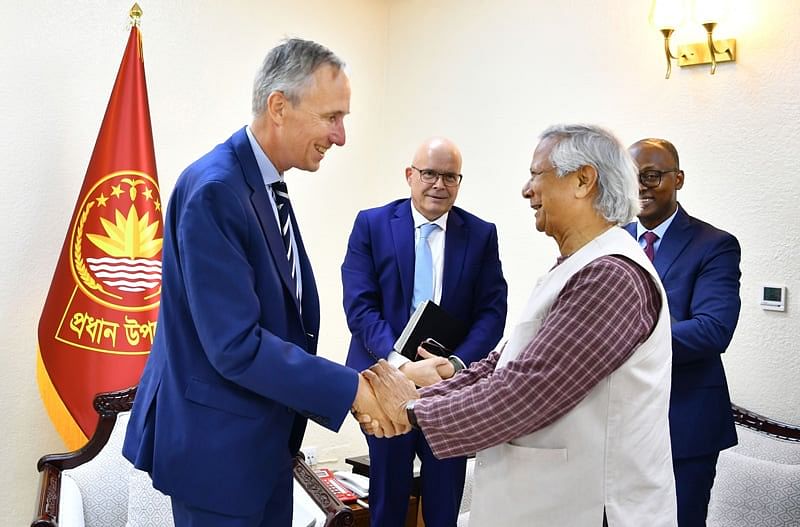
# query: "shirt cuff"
396,360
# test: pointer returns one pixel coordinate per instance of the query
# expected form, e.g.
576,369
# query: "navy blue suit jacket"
378,280
699,267
232,375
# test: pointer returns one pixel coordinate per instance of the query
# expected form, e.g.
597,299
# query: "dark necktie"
650,244
281,195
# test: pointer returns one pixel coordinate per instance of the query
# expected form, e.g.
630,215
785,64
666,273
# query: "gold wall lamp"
668,15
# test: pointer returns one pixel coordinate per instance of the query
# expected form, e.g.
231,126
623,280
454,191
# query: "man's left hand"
426,371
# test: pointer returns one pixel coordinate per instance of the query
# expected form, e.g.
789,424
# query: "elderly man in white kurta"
569,419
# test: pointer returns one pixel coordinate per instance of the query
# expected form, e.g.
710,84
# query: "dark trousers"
694,478
277,512
391,474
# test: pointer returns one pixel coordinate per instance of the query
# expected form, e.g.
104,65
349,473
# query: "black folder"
430,321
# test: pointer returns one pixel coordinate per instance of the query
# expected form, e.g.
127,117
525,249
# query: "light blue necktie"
423,267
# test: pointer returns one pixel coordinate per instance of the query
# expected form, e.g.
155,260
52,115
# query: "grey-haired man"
232,376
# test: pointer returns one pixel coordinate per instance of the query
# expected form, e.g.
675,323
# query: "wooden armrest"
107,405
337,514
760,423
47,501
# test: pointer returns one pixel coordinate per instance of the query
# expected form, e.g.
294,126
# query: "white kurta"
612,451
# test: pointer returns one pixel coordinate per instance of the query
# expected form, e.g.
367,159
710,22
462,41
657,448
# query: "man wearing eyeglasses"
699,267
385,277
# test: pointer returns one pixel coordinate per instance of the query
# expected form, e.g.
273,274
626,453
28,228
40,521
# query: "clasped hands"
384,391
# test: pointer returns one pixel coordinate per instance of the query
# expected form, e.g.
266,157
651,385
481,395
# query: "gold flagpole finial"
135,13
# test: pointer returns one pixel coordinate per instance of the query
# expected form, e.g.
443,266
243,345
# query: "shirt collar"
268,171
660,230
419,219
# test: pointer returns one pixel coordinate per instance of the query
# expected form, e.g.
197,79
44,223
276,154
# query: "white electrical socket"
311,454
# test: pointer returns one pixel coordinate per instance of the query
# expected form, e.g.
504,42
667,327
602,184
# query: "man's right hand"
369,413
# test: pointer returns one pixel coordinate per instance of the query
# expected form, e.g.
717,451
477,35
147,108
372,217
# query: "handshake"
384,391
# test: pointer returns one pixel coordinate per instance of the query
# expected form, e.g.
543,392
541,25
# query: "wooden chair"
111,470
758,480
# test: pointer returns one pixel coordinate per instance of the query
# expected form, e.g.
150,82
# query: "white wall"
494,74
489,74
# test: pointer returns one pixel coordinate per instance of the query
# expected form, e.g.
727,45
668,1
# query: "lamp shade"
667,14
710,10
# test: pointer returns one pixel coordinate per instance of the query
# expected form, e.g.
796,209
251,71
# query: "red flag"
98,322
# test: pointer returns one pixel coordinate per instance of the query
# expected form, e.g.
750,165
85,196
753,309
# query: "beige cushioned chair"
96,486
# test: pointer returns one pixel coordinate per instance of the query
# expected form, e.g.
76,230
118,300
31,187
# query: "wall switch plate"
310,452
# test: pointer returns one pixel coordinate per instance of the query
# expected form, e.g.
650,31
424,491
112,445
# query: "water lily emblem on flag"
116,242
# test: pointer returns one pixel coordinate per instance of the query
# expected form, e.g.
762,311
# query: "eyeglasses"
430,176
651,178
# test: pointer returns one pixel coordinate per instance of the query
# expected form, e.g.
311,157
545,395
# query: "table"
413,518
360,465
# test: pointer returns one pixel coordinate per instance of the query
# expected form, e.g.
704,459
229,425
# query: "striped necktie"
281,195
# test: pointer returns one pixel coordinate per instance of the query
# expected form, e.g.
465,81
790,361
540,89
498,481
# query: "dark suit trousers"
694,478
390,475
277,511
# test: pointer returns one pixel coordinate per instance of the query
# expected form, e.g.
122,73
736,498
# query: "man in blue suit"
699,267
381,289
232,376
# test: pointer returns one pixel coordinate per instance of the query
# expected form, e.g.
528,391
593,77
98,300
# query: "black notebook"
430,321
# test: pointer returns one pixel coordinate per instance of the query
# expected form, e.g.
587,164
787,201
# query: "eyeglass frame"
660,173
437,176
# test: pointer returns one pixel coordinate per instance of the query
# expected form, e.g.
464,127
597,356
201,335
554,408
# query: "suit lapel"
674,242
261,204
402,226
455,250
631,228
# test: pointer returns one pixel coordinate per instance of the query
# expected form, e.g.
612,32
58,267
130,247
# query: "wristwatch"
457,363
412,417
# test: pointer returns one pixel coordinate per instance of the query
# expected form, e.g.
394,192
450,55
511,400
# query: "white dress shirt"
271,175
436,243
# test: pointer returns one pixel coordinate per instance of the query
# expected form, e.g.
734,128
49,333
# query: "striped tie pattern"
281,194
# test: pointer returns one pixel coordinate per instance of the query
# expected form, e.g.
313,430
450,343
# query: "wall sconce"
668,15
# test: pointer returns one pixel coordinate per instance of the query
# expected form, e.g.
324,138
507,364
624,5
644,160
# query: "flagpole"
100,315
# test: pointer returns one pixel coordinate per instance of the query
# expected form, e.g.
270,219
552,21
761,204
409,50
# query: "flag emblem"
116,248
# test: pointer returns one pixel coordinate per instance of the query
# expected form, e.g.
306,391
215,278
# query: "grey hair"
288,68
580,145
